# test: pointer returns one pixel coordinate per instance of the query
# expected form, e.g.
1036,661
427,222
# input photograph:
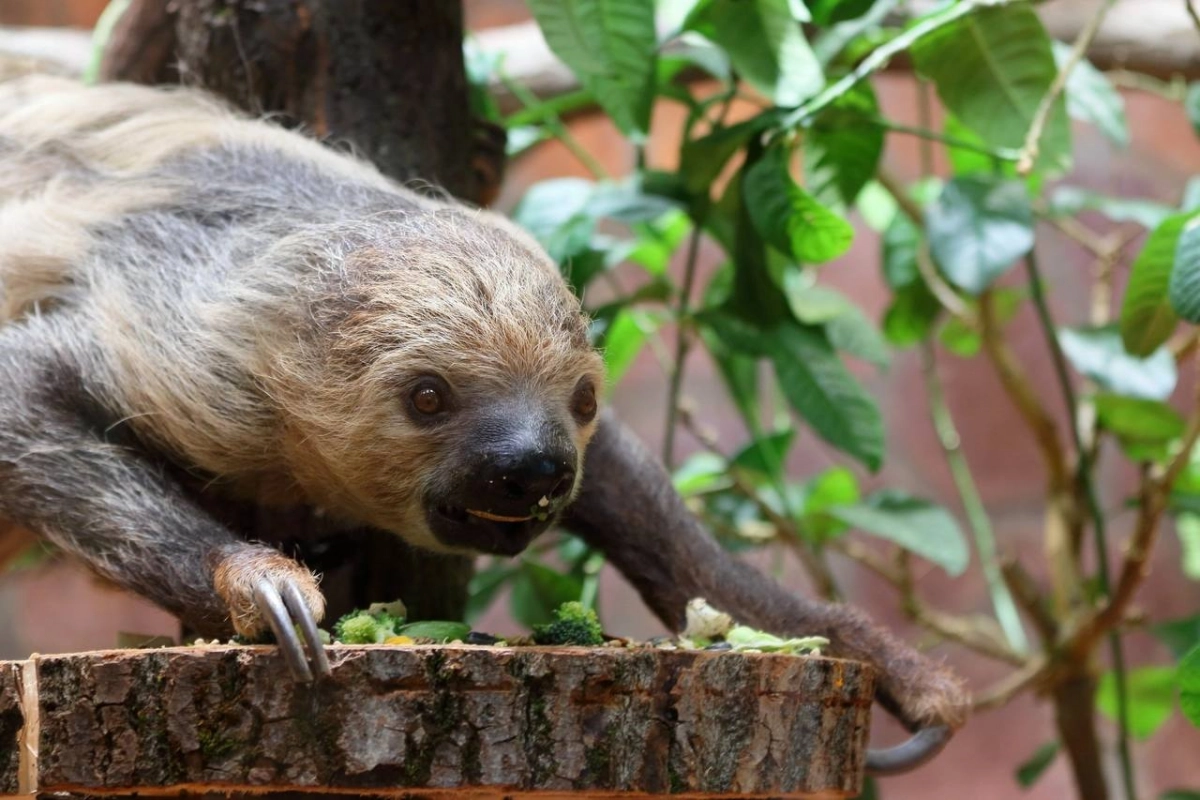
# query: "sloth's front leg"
67,476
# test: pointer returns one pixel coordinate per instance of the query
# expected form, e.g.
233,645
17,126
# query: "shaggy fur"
242,303
192,302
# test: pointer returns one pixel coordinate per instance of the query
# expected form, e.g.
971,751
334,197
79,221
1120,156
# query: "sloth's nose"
525,484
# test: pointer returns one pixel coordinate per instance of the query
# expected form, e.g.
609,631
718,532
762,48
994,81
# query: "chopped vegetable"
746,639
573,624
372,626
705,623
437,631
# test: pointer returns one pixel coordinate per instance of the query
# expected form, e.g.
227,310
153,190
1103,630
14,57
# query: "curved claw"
308,626
924,745
276,613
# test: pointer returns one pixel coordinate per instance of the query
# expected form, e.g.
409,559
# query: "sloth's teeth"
496,517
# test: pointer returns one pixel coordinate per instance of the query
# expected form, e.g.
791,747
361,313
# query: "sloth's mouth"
483,531
495,517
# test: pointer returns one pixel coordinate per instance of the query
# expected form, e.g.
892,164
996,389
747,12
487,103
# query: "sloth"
198,304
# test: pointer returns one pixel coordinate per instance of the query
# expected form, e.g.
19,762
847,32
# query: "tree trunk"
388,79
1074,715
445,721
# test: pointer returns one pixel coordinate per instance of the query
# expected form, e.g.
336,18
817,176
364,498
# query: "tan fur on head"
454,296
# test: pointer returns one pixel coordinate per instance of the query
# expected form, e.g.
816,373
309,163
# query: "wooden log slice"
450,721
12,721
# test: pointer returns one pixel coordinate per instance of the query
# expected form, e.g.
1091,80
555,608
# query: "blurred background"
56,607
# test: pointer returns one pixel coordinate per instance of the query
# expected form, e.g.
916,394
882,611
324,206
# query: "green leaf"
1187,528
538,590
1188,677
961,340
817,384
1029,772
836,486
1099,354
841,151
830,12
1150,695
701,472
855,335
992,68
484,586
919,526
810,303
1091,97
910,318
1190,201
1179,635
1145,421
623,340
970,161
1184,285
789,218
876,206
900,243
612,47
1147,318
766,45
1179,794
1068,201
701,160
755,293
765,456
978,228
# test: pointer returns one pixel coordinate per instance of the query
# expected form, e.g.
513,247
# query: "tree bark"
1074,715
444,720
388,79
12,722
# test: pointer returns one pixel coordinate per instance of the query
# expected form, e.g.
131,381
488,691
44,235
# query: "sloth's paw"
266,590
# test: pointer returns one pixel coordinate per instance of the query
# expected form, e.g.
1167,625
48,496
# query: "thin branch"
943,291
1029,152
1192,13
1020,390
1012,685
683,343
1085,485
817,570
973,508
789,534
926,134
559,130
1186,346
1026,592
978,634
1153,503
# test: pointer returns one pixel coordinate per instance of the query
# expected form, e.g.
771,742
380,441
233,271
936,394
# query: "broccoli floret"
365,627
573,624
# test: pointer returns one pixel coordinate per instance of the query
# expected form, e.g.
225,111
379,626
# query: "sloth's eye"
429,398
583,404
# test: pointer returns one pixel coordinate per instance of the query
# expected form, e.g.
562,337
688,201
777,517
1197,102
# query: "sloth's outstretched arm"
628,508
65,475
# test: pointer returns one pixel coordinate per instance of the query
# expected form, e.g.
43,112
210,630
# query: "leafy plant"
773,189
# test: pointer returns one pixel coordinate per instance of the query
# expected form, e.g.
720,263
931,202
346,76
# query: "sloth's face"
451,397
511,462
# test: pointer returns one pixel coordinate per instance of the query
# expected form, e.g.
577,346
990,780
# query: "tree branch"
1029,152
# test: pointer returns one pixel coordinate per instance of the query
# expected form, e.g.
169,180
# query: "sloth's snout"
523,485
